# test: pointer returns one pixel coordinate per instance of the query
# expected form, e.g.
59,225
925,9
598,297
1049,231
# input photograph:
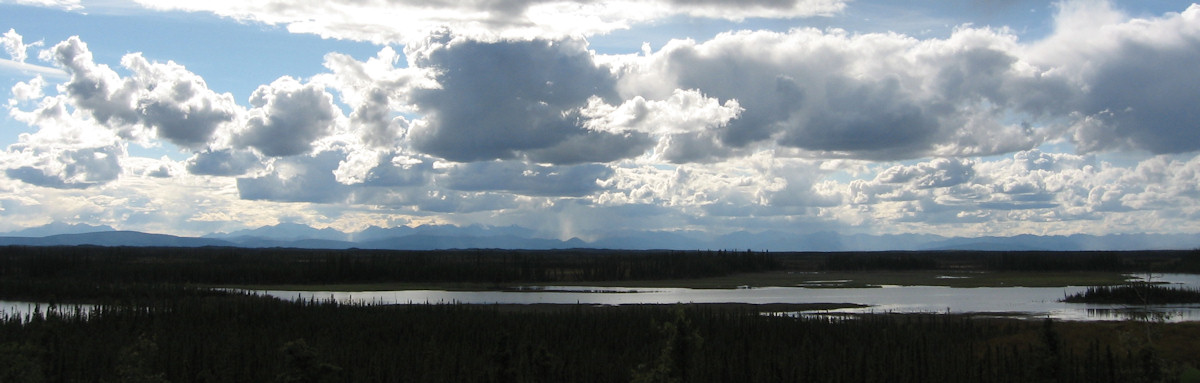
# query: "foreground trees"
242,338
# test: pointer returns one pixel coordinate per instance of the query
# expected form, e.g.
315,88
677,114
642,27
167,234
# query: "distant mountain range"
428,237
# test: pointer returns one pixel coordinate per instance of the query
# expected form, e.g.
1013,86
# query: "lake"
1035,302
1039,302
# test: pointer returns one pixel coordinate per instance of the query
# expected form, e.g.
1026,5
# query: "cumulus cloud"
507,99
400,21
378,129
68,151
287,118
14,45
526,179
747,129
873,96
362,82
685,111
68,168
223,162
1135,76
938,173
163,97
302,178
383,169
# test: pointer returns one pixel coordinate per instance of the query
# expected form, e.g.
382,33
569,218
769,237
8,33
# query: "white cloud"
1134,76
223,162
165,100
685,111
67,168
407,20
287,118
15,46
514,99
526,179
748,130
873,96
68,5
300,178
27,91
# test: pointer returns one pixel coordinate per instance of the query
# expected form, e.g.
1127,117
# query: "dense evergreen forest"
22,269
1135,294
252,339
156,322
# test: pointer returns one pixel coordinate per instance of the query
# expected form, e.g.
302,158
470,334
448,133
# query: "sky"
592,118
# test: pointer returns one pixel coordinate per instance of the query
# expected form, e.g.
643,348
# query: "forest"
155,320
1136,294
241,338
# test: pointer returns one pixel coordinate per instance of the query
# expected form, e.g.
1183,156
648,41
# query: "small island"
1136,294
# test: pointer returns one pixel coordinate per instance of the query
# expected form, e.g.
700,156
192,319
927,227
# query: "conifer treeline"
215,265
253,339
1128,261
1136,294
219,265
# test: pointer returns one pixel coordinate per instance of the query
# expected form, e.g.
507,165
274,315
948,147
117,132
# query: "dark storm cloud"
502,100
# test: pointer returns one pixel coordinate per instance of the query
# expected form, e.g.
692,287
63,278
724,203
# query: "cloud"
683,112
70,168
373,119
15,46
164,97
68,5
18,51
871,96
1135,75
95,88
938,173
300,178
526,179
68,151
287,118
383,169
405,20
362,82
177,103
508,99
223,162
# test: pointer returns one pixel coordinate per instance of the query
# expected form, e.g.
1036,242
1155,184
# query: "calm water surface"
1029,301
1036,302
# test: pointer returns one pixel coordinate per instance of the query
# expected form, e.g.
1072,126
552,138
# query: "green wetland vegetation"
156,319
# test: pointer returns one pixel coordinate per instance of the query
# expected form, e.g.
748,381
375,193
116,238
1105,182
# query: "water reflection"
1037,302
